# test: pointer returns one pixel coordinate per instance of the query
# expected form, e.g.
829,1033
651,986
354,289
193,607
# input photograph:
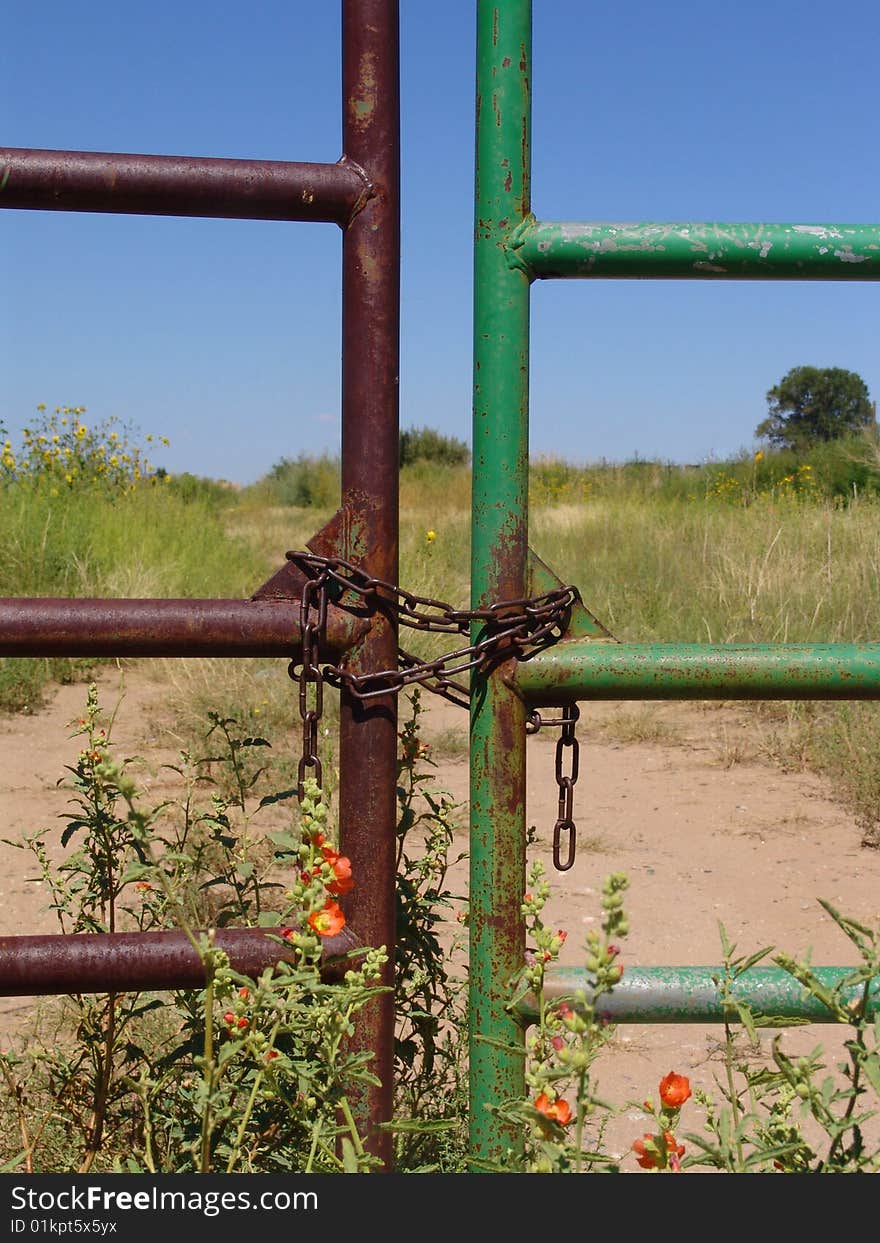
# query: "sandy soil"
702,840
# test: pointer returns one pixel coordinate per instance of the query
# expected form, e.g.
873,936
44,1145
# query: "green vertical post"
498,563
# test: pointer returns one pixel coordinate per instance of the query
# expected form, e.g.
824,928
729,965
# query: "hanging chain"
565,781
314,595
509,628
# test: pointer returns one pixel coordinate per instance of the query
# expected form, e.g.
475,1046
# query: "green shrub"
424,444
305,481
64,453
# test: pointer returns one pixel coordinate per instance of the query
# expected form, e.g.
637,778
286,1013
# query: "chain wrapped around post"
509,628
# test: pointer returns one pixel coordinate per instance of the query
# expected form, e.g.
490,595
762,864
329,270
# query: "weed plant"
257,1074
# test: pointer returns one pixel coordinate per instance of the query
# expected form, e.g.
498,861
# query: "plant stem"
102,1088
731,1091
208,1072
249,1108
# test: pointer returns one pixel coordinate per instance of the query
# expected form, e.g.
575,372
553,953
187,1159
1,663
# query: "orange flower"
328,921
674,1090
672,1149
645,1158
342,879
658,1152
558,1110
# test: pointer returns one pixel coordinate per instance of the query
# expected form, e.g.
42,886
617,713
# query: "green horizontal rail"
832,252
691,994
598,669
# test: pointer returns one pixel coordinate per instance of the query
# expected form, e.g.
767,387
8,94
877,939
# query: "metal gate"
512,249
360,193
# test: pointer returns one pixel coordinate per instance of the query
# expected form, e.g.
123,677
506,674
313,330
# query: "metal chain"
511,627
314,595
566,781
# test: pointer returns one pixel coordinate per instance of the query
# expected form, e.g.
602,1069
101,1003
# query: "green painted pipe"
690,994
498,568
598,669
833,252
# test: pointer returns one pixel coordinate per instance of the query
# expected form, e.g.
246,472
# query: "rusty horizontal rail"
598,669
43,626
176,185
115,962
691,994
836,252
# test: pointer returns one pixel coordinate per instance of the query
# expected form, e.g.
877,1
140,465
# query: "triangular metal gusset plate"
582,624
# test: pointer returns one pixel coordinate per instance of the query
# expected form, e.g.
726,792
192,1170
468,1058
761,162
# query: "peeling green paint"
691,994
839,252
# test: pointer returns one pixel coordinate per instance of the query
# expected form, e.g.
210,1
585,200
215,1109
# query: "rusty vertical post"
370,350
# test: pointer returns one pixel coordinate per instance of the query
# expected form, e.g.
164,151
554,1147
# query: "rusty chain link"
566,782
314,594
510,628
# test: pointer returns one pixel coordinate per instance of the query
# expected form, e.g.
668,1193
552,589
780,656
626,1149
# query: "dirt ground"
702,837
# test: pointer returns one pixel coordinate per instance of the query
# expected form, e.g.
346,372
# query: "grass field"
763,549
768,549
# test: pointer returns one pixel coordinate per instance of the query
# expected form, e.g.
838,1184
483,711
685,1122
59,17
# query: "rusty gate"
360,193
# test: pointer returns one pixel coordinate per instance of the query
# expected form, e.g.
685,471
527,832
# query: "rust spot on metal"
506,63
268,626
135,961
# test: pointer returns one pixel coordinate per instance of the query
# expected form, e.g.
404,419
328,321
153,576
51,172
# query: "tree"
813,404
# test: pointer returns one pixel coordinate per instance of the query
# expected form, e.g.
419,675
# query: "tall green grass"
659,554
154,541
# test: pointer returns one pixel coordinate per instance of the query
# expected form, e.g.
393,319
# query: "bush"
304,481
191,488
424,444
62,452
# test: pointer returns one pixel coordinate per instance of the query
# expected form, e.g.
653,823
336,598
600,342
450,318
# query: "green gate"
359,192
512,249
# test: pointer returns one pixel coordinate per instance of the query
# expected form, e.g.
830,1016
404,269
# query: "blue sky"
224,335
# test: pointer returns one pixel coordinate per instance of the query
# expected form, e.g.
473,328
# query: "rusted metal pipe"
61,627
176,185
134,961
370,361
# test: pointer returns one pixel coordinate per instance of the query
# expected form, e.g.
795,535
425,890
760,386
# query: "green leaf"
278,798
752,960
349,1156
500,1044
871,1067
